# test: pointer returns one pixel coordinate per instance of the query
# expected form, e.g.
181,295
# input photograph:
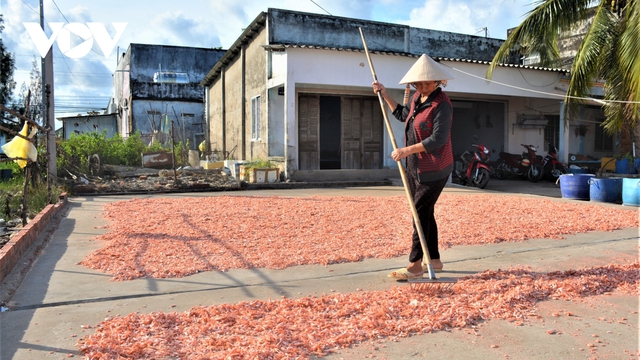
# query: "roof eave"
248,34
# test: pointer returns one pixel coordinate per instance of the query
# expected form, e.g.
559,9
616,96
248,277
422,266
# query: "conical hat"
426,69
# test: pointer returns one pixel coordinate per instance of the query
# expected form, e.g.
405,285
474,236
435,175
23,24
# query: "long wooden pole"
416,219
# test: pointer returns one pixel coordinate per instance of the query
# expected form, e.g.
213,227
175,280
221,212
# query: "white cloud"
442,15
470,17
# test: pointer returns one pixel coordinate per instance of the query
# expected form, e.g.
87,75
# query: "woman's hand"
400,154
378,87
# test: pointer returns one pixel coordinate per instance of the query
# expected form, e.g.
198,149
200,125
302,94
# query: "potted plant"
259,171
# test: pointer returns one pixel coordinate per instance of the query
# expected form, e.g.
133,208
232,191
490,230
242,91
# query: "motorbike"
476,169
528,165
551,166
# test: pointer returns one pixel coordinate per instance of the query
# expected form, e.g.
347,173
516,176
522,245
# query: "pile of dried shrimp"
163,238
300,328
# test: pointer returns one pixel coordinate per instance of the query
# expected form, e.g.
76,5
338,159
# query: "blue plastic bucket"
622,166
575,186
631,191
605,190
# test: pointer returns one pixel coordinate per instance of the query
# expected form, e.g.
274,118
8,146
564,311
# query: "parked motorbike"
527,165
476,170
551,166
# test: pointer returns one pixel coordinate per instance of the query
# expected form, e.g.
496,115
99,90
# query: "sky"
84,83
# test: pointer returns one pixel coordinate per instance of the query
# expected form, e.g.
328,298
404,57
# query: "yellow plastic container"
608,164
209,165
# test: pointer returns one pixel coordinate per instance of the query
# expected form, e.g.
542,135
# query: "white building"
295,88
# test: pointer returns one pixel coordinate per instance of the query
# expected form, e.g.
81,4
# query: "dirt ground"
141,180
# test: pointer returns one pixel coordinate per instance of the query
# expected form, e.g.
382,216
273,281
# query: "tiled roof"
438,58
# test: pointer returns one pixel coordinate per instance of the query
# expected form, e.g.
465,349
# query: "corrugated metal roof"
281,47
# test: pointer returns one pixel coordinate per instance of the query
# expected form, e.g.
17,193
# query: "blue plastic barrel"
605,189
575,186
631,191
622,166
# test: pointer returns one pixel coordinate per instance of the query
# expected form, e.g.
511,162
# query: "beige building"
295,89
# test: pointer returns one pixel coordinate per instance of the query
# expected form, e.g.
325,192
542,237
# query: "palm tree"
609,51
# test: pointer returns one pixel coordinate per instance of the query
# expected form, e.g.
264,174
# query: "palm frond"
621,67
539,31
629,46
591,54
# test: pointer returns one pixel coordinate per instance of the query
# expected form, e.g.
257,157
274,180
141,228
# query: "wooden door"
361,133
308,132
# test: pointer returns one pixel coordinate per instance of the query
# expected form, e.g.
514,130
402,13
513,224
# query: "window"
603,141
255,118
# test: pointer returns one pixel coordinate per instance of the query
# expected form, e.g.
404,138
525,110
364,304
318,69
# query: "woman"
428,154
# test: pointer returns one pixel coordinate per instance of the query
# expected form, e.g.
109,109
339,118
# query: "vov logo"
61,33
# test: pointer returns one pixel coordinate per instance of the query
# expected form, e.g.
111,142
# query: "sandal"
425,268
404,274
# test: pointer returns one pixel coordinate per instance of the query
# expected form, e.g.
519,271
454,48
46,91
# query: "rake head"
427,285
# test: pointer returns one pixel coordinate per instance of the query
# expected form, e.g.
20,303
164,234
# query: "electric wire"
601,101
65,60
65,19
32,9
321,7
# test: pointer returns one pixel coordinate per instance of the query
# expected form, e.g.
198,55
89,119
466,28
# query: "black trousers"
425,196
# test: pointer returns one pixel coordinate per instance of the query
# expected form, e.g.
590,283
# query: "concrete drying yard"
51,300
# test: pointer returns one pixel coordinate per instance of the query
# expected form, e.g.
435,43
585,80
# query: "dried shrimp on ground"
163,238
300,328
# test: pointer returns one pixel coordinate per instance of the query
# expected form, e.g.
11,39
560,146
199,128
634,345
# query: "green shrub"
73,153
11,191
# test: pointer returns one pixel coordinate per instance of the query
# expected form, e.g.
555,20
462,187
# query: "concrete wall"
452,45
149,59
179,92
192,124
517,135
256,85
242,79
233,103
215,106
288,27
135,92
583,145
89,124
276,123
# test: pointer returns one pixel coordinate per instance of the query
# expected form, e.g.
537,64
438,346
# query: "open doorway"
330,126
